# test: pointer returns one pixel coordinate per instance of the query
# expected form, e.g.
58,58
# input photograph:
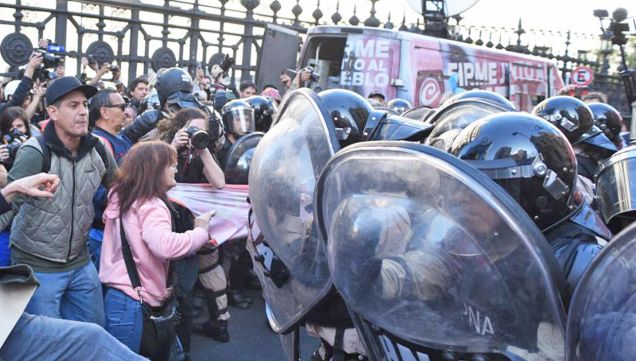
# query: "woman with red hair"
138,203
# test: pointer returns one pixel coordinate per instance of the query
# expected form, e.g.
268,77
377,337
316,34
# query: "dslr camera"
313,77
199,138
10,141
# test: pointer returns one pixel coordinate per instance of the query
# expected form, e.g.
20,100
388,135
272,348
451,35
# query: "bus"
422,69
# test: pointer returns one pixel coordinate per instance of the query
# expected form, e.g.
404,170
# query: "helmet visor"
181,100
601,140
242,120
616,188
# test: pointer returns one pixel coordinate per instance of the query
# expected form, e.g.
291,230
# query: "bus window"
325,55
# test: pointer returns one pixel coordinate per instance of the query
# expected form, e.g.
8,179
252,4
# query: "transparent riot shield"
435,260
602,318
237,165
283,175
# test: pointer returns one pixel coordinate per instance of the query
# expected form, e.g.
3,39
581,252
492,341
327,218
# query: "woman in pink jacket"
137,199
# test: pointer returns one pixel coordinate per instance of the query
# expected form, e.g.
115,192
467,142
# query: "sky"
547,15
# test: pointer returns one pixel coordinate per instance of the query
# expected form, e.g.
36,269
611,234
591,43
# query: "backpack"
46,153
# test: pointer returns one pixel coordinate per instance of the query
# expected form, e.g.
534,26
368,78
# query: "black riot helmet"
450,119
483,95
420,113
569,114
529,157
173,80
399,105
609,120
263,111
238,117
349,112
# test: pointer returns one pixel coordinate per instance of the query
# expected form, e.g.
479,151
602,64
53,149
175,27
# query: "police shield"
436,261
237,165
282,178
602,317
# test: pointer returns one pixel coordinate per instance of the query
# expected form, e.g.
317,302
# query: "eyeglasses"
121,106
173,167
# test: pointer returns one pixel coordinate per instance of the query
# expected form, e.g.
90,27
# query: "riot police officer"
615,189
610,121
483,95
238,120
574,118
174,89
264,110
536,165
450,119
399,105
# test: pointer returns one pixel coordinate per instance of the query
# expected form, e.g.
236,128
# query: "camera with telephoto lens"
199,138
49,62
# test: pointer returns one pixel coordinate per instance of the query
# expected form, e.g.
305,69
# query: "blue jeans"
124,318
43,338
71,295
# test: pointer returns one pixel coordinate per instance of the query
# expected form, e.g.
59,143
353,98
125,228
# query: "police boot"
200,314
238,299
217,329
252,282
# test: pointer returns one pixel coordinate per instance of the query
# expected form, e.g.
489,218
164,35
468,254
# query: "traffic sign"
582,76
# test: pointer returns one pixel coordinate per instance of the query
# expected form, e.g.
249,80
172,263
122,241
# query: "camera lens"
199,138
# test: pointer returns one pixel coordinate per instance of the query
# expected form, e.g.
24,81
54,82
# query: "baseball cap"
64,85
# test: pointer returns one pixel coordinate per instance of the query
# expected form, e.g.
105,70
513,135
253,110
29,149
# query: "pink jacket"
153,244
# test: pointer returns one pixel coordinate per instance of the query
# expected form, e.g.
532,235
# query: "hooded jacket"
153,244
52,233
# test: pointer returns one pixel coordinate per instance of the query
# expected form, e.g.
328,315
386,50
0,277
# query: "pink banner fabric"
230,204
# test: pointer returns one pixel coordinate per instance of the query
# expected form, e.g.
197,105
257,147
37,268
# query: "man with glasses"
107,115
50,235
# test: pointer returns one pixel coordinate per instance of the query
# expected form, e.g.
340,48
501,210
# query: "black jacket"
20,94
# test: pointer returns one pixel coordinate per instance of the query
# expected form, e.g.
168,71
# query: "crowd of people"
115,151
86,165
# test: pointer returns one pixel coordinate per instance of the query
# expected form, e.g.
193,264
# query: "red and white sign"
582,76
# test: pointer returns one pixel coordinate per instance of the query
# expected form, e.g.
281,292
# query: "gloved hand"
144,123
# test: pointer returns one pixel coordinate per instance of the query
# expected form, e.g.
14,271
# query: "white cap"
10,89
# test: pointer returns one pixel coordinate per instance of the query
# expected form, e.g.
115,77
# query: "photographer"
301,78
35,109
202,89
138,90
15,130
26,83
183,132
103,70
